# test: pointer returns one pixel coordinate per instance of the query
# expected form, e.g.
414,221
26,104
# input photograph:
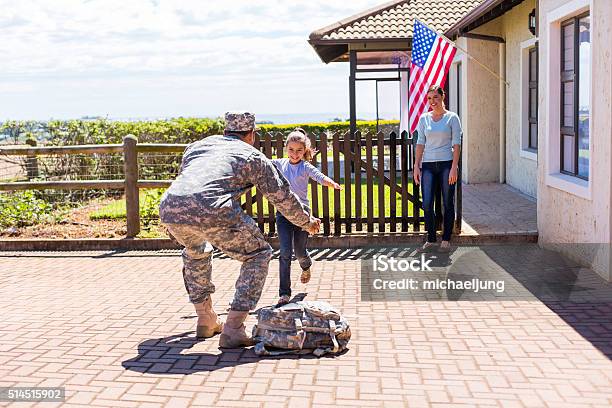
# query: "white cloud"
83,43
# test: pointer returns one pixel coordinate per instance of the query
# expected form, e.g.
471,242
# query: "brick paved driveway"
115,330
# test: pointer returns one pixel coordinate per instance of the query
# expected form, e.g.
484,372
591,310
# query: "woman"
437,157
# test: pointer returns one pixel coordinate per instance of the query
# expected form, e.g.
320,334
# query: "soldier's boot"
208,323
234,332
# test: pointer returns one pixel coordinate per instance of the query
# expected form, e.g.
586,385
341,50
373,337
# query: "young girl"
298,171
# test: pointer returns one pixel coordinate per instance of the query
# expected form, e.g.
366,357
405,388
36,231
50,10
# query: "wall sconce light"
532,22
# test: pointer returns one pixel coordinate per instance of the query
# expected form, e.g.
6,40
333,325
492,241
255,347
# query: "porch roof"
388,23
481,14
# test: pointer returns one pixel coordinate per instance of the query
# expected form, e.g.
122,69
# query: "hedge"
178,130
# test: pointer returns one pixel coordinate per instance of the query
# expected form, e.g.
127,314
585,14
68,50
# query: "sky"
154,58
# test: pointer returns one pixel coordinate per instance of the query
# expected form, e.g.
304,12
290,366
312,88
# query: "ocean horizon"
275,118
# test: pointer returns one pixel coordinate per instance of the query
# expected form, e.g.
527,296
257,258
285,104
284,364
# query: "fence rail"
375,170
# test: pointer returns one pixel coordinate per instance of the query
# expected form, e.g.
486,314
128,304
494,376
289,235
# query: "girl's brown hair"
298,135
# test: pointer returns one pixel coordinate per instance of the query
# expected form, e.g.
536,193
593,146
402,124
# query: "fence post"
32,161
130,163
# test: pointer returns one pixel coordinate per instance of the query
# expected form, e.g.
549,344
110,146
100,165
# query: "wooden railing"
366,160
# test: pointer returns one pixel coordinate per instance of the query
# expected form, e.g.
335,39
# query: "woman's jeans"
432,175
292,238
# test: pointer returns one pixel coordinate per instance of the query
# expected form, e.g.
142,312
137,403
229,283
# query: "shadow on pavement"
576,294
169,355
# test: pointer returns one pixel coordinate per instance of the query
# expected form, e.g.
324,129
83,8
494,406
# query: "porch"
494,208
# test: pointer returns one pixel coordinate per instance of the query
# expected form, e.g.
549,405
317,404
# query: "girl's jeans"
432,174
292,238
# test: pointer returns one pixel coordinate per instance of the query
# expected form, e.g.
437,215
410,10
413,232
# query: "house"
548,131
544,128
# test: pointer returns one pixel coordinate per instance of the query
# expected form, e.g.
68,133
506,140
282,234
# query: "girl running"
298,171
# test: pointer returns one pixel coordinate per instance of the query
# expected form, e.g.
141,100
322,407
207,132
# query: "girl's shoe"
445,246
305,276
427,246
283,300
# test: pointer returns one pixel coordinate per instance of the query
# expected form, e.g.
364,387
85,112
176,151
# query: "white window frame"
461,58
551,86
525,151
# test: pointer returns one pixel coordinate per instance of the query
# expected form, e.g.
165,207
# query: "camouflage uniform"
201,209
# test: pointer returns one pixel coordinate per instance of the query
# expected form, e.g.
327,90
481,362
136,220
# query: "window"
529,99
575,96
533,99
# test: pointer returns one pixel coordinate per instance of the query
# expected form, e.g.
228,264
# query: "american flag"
432,56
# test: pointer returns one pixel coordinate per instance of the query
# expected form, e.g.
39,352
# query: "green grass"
116,209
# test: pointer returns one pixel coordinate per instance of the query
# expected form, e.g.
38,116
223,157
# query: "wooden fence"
366,165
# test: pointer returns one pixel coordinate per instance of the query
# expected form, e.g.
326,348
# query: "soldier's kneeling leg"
197,261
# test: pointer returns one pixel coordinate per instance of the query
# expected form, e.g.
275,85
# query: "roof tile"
397,21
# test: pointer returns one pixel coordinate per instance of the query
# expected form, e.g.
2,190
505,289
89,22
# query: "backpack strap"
299,331
332,333
261,350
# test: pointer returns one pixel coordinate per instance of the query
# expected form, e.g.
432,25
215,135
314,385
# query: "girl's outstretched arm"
321,178
331,183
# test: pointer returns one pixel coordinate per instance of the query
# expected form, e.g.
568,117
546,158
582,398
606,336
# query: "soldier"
201,209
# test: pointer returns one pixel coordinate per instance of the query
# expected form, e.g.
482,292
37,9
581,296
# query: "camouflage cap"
240,121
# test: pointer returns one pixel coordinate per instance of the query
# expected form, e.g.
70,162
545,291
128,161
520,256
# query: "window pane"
533,136
584,94
568,104
568,47
533,56
568,154
533,103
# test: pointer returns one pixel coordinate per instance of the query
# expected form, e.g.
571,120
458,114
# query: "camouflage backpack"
301,327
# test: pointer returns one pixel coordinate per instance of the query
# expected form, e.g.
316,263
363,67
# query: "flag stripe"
441,73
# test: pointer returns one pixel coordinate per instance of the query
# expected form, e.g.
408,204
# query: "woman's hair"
438,89
298,135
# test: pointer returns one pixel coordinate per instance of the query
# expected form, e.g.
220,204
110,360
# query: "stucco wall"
521,172
481,133
580,227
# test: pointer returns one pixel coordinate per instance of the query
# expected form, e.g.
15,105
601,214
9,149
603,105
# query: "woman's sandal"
305,276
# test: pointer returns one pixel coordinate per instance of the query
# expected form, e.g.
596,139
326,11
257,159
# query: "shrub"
149,211
23,208
362,125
